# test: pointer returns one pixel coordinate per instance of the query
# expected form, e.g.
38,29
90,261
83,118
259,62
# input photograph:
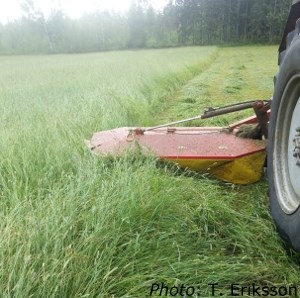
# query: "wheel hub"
293,153
296,141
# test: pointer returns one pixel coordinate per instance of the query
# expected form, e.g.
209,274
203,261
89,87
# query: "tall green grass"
74,225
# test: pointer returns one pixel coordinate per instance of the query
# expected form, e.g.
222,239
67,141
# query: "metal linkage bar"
213,112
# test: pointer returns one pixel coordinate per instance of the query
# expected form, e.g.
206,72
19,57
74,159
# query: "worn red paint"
179,142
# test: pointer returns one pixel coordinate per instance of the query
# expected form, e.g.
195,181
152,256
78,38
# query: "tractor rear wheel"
284,147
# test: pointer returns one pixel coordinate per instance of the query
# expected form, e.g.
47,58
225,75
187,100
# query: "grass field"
73,225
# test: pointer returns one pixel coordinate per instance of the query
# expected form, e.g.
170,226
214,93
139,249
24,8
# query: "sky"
10,9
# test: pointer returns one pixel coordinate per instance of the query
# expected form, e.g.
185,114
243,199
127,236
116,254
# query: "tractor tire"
284,146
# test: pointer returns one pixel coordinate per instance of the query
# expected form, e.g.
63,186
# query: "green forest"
179,23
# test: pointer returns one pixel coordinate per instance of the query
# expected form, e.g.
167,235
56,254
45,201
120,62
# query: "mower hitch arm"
257,105
213,112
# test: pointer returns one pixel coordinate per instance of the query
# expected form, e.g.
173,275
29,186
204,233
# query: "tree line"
179,23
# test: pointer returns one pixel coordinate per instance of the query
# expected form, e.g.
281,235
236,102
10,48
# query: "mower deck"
208,149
